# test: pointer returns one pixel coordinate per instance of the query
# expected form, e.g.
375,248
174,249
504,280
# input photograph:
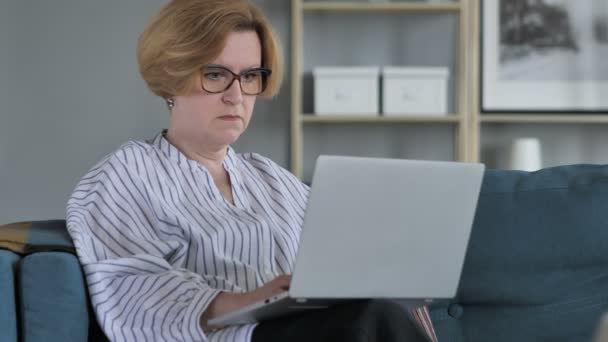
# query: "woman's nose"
234,94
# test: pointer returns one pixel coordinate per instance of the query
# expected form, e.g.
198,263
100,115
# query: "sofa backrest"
42,288
537,262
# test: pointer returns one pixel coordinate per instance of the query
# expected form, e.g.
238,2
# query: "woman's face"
217,120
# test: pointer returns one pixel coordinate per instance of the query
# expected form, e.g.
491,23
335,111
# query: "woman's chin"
229,138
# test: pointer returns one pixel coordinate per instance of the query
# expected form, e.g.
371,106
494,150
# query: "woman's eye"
251,76
213,75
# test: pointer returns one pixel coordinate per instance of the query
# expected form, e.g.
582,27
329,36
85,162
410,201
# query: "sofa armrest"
53,301
8,312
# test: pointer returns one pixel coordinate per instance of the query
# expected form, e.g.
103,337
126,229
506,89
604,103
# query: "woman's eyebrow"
254,66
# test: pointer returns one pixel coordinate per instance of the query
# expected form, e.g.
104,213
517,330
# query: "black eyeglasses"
217,79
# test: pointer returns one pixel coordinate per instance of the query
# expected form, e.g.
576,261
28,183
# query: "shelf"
381,6
345,118
455,125
545,119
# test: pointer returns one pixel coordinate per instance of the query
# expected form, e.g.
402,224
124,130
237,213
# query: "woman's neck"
210,157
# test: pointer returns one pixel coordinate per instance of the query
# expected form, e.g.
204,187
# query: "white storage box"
415,90
346,90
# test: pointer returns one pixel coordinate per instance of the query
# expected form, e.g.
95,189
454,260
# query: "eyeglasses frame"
235,77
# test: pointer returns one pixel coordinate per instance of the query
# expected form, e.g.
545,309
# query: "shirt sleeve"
132,262
298,191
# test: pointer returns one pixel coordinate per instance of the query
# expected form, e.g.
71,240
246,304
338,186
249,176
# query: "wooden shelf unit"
460,121
380,7
346,118
516,118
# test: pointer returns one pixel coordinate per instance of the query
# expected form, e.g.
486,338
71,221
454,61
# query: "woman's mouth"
230,117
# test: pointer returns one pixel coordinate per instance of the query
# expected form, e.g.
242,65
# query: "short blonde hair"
187,34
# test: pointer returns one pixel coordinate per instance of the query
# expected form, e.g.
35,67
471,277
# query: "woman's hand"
228,301
274,287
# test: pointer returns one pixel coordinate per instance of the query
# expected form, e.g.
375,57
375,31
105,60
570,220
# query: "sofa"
536,267
43,296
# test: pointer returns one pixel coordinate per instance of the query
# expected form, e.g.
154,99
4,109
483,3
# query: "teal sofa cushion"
52,298
8,312
536,267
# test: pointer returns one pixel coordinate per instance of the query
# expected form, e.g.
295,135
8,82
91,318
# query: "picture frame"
544,56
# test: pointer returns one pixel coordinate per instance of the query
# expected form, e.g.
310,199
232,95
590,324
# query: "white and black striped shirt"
158,241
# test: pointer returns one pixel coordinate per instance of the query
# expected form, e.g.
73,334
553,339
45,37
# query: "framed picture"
544,56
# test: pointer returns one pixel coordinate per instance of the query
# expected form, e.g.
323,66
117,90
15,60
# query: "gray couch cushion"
537,264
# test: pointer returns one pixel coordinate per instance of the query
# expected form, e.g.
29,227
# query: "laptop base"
278,306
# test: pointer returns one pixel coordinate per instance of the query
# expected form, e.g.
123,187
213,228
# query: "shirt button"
455,310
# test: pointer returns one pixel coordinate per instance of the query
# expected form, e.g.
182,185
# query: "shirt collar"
230,161
170,151
174,154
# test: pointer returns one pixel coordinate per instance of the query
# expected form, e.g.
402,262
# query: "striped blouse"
158,241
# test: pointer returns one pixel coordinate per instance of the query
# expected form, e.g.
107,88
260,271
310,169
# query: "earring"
170,103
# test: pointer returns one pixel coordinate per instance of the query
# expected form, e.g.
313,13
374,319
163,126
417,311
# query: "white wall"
70,93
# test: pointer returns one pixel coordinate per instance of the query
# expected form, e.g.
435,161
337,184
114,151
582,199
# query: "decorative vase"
526,154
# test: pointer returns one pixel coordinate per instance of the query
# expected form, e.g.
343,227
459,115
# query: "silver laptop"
377,228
